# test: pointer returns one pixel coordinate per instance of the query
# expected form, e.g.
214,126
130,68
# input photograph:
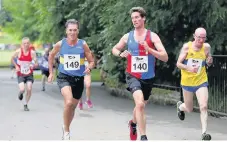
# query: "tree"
103,23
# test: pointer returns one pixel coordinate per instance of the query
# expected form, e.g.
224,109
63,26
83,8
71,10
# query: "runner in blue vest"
143,46
44,67
72,70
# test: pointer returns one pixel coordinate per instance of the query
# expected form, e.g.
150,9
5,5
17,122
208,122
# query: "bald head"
200,31
200,36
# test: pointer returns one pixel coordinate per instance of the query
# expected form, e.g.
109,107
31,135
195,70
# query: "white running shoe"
66,135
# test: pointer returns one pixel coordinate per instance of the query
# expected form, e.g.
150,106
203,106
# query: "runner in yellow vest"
192,60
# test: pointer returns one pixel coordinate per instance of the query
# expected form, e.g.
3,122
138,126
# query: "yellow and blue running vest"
194,58
72,58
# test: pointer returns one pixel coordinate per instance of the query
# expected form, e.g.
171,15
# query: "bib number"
71,62
139,64
195,63
25,69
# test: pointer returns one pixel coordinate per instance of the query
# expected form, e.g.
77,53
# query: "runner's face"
72,31
200,38
26,43
137,20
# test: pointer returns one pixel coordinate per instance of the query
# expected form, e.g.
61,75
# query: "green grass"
5,58
161,91
8,39
37,76
95,77
5,64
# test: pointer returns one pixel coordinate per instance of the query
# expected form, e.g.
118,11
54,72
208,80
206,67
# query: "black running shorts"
134,84
75,82
25,79
46,73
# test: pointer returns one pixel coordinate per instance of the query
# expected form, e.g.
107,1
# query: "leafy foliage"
104,22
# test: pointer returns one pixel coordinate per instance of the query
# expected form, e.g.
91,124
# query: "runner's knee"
140,106
203,107
69,104
88,85
188,104
189,108
29,89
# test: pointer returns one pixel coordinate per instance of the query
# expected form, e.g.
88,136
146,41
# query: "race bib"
45,64
139,64
71,62
25,69
195,63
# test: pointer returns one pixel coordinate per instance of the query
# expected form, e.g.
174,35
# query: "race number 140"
139,64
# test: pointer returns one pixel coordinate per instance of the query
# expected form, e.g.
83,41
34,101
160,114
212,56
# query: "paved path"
106,121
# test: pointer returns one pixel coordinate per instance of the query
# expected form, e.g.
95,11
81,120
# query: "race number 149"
71,62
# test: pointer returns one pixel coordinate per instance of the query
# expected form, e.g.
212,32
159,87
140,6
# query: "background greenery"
103,22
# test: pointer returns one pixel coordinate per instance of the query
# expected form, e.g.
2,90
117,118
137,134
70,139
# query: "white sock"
63,126
24,101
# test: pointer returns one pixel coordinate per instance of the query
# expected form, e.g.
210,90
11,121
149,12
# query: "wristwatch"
119,53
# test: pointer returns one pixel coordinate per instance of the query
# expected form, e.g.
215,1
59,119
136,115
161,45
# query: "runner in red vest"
24,68
143,46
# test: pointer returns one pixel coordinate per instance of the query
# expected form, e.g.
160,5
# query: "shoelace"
66,135
134,130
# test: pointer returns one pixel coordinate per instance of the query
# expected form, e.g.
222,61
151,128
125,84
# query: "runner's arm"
207,50
120,45
182,56
15,55
52,54
160,53
34,58
209,58
89,56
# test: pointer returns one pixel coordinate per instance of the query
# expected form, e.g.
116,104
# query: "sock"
24,101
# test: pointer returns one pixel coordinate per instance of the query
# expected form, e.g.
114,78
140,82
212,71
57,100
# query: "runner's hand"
209,60
50,78
145,45
17,68
192,69
87,71
124,54
32,66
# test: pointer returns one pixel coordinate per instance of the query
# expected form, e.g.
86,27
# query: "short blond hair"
25,38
